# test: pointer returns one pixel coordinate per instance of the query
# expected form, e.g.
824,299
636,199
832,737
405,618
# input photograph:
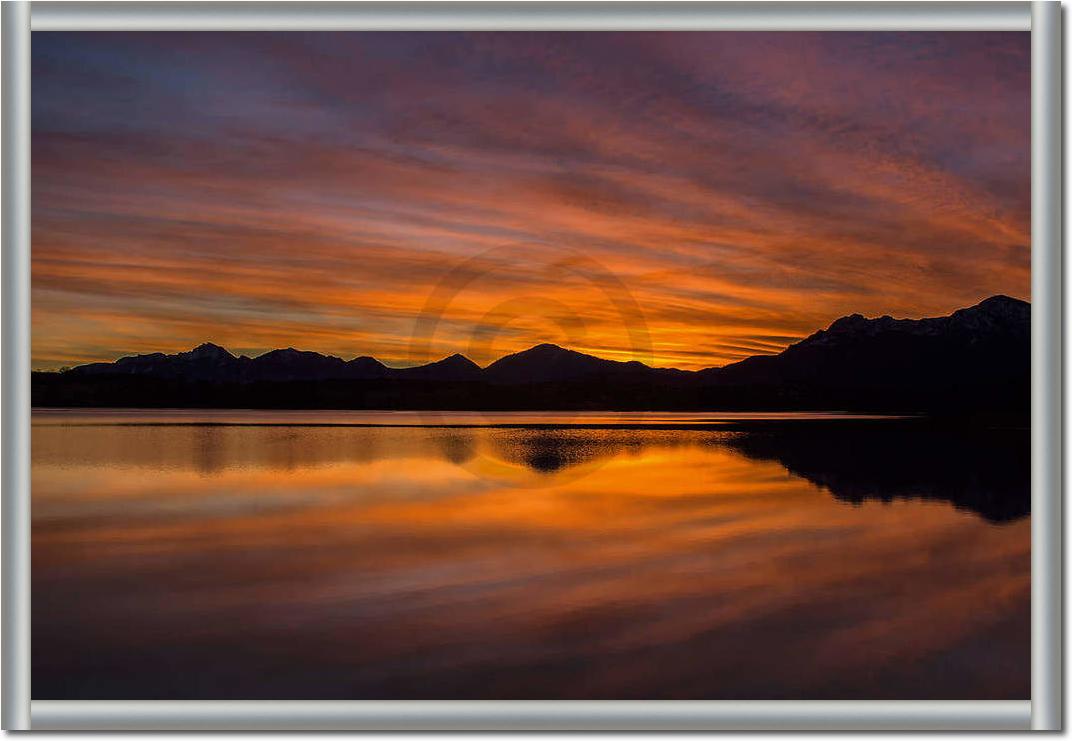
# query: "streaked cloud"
318,190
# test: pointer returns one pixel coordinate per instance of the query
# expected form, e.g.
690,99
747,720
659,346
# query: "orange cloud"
317,191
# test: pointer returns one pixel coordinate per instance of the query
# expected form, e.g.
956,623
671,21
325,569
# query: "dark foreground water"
254,555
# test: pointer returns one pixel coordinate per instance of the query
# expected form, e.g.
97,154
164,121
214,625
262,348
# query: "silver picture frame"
1044,711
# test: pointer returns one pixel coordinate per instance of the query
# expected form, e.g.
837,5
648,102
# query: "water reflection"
983,471
368,562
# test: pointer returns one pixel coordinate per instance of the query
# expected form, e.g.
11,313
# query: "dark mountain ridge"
975,358
549,362
879,348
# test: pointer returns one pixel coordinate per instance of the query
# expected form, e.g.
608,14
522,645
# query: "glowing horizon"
239,355
683,199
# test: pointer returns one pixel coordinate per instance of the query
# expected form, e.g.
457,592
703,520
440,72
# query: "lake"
442,555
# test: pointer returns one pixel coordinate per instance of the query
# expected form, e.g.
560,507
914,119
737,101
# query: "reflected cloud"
985,472
364,563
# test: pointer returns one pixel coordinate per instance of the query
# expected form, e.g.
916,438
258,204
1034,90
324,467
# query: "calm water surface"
328,555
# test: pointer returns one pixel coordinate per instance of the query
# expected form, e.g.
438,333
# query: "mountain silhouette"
455,368
291,365
547,362
975,360
891,351
206,362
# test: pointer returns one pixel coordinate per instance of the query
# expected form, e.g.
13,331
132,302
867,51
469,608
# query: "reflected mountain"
982,471
550,451
296,561
455,446
985,471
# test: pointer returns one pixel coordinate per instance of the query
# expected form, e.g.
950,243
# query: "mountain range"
977,358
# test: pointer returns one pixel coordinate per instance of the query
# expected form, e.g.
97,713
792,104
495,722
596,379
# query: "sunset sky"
685,199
